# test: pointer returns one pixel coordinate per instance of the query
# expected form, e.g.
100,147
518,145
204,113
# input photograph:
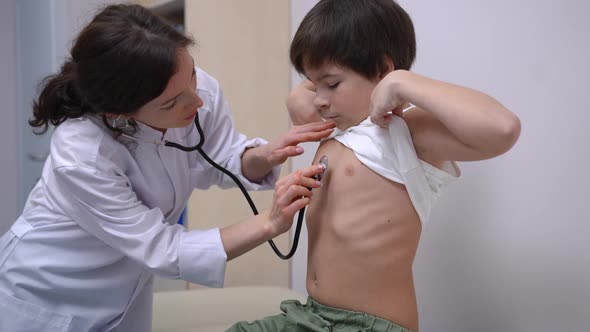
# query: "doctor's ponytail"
59,99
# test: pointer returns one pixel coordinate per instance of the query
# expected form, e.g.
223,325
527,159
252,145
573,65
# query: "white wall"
8,131
508,248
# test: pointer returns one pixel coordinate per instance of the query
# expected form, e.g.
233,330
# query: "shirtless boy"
386,167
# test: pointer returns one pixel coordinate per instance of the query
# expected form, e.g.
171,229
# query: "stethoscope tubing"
199,149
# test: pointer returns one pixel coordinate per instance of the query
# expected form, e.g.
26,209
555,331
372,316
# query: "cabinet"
245,45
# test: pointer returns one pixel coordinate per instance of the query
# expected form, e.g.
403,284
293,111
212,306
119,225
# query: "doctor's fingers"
296,205
289,202
310,132
279,156
303,177
291,194
314,126
289,147
293,185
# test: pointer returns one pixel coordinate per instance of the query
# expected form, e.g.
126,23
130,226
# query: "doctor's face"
178,104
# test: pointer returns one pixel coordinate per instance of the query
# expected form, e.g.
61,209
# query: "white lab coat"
103,219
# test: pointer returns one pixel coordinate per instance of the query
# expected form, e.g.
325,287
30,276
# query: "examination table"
216,309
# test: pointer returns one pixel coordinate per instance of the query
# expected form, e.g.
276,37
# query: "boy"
386,167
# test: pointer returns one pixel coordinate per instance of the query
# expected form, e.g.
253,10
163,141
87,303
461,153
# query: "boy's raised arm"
300,104
451,122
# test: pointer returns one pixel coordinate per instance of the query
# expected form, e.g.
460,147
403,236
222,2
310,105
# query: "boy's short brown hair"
356,34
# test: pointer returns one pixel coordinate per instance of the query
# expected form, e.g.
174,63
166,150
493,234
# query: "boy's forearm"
300,104
476,119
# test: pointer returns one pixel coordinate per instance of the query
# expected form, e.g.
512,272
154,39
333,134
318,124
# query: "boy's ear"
387,67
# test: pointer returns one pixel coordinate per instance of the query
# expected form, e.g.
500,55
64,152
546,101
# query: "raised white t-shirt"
390,153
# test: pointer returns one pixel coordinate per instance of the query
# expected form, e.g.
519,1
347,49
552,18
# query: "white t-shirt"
390,153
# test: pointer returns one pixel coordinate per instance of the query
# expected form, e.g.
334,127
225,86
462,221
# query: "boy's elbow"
508,134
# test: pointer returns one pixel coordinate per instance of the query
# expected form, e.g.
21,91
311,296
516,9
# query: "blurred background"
507,249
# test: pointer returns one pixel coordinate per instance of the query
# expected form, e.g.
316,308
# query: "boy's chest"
354,201
345,171
352,190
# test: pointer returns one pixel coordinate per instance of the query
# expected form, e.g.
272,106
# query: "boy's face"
341,94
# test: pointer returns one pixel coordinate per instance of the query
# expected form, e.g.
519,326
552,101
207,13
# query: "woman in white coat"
102,220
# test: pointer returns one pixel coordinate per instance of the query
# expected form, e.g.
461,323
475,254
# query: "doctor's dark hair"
355,34
120,61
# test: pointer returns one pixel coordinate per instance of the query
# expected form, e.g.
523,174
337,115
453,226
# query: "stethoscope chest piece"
323,161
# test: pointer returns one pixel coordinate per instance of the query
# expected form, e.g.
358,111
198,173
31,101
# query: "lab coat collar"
146,132
143,131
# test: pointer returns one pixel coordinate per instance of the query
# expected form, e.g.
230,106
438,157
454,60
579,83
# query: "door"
40,42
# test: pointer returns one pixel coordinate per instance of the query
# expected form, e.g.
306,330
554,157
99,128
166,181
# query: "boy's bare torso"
363,236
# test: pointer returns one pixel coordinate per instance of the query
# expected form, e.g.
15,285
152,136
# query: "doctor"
101,221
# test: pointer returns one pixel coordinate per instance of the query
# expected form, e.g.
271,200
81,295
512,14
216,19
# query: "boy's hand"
300,104
384,102
286,146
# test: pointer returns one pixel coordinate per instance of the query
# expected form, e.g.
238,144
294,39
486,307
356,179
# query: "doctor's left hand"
257,162
286,146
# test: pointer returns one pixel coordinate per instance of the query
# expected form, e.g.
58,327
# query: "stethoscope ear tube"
198,148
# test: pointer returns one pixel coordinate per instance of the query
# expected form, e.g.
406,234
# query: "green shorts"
317,317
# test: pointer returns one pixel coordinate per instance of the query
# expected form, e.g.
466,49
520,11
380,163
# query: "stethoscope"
198,148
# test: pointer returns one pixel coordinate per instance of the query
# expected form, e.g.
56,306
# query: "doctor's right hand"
292,193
